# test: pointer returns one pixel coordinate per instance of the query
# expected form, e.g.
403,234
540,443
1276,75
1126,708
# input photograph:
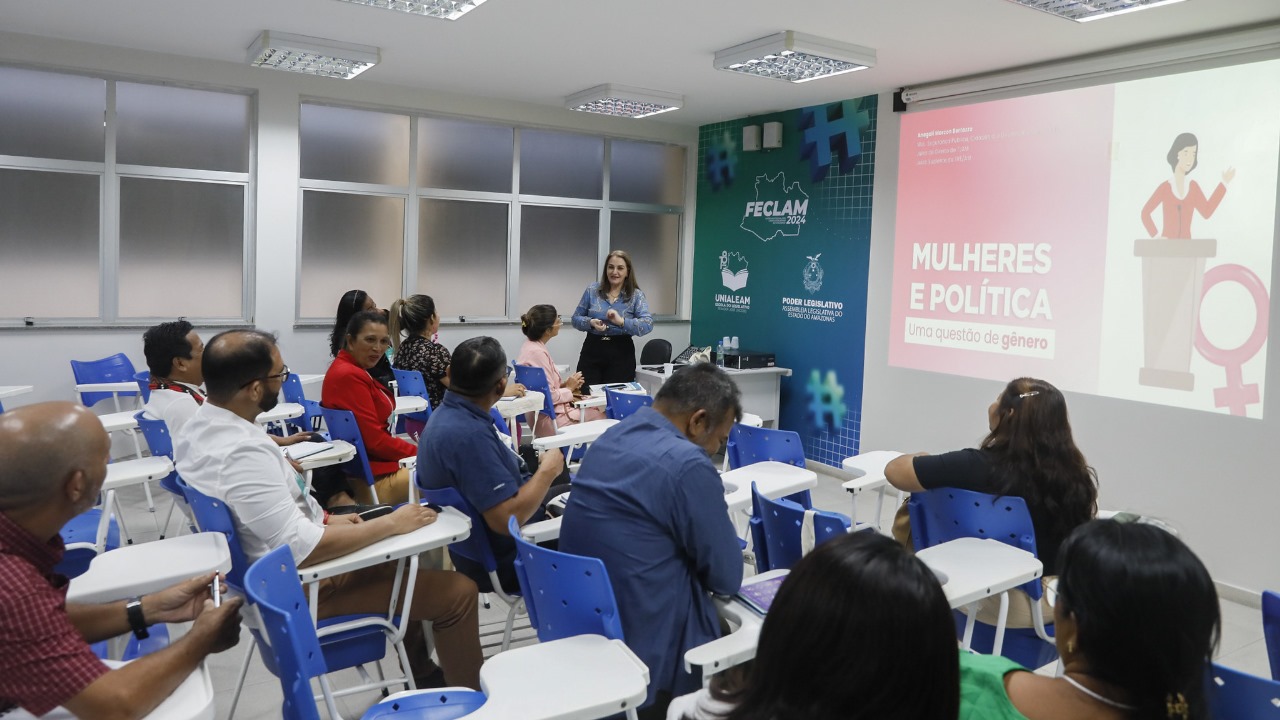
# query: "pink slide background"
1040,177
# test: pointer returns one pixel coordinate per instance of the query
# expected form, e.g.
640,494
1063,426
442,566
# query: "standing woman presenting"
611,312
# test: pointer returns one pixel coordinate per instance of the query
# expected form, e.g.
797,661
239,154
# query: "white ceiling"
539,51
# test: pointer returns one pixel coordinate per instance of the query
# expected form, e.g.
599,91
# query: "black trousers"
607,359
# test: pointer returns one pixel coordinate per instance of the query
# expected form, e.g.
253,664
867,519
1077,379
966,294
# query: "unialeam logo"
733,275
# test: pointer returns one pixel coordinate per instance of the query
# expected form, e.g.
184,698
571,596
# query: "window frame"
109,173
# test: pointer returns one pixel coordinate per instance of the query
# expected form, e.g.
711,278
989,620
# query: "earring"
1071,646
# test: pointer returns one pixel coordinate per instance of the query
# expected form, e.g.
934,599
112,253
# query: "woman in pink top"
539,325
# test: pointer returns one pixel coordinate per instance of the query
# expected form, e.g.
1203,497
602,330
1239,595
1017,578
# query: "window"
487,219
113,194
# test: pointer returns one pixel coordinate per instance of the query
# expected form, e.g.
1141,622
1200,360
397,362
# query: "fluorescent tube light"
795,57
443,9
622,101
311,56
1089,10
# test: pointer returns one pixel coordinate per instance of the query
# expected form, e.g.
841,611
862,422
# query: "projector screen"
1114,240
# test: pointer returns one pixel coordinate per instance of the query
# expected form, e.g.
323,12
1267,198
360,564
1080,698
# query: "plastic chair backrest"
1271,630
946,514
310,418
476,545
116,368
621,405
781,522
565,594
656,352
272,585
499,421
446,704
535,379
1234,694
214,516
749,445
341,425
410,382
144,384
157,434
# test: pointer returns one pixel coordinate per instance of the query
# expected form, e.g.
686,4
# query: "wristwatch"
137,622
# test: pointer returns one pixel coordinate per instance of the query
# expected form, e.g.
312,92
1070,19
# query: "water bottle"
720,354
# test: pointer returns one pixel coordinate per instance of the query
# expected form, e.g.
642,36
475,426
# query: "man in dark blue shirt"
460,449
649,503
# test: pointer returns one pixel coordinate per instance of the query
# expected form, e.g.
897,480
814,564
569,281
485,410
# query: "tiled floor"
1241,646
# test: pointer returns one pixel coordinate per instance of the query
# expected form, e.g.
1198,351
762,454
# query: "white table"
573,435
406,404
308,379
760,388
450,527
739,645
972,569
8,391
191,700
511,408
774,480
150,567
278,414
341,452
575,678
868,471
135,472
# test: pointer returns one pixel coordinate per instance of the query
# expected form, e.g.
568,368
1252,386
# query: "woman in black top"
1029,453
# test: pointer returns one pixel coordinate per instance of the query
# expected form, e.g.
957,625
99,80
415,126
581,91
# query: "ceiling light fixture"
795,57
443,9
622,101
1092,9
311,56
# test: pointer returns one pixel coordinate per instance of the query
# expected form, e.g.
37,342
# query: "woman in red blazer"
348,386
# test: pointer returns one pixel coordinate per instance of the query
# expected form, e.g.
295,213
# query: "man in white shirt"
223,454
174,351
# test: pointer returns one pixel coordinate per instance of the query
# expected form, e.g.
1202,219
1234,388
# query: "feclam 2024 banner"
781,260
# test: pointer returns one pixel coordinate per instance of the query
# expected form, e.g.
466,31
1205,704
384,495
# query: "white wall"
1211,476
38,356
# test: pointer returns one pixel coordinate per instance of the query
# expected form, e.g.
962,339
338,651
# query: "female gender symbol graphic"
1236,395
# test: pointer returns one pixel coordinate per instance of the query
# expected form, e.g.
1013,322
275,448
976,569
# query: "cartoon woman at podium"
1182,199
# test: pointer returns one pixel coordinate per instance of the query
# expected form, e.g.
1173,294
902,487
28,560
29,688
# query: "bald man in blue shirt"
649,502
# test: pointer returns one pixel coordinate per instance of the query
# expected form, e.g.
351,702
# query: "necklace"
1104,700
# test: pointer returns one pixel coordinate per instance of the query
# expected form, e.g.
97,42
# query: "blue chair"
619,405
749,445
535,379
309,420
1235,695
160,441
781,524
410,382
565,594
82,536
946,514
475,547
354,641
1271,630
342,426
144,384
446,704
116,368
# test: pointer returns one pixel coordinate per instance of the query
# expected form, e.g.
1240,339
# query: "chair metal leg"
244,672
328,698
971,614
998,644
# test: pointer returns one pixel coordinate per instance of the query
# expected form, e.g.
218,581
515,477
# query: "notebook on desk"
297,451
759,595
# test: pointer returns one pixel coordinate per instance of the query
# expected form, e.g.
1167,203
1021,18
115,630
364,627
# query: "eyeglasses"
282,374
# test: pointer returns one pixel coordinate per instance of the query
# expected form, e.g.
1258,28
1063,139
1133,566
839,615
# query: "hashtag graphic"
826,401
722,162
832,133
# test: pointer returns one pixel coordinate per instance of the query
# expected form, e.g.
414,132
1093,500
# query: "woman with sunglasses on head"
1029,453
348,385
1137,621
859,629
611,312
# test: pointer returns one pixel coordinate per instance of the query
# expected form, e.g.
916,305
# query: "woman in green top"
1137,621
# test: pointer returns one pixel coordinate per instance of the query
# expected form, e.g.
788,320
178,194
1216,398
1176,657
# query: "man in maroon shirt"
53,460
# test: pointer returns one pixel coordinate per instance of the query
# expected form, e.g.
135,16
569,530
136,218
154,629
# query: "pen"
217,592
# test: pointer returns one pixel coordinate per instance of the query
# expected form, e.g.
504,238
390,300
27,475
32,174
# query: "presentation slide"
1114,240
